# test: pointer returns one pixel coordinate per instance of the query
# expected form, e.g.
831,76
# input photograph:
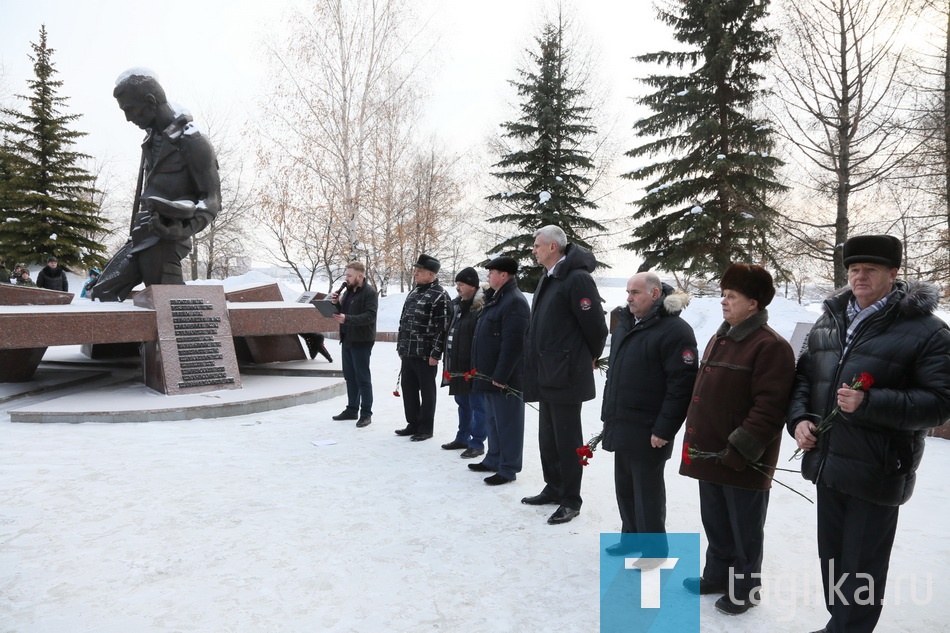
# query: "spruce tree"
46,196
707,200
548,175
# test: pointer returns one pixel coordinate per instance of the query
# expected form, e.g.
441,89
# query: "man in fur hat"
653,359
882,331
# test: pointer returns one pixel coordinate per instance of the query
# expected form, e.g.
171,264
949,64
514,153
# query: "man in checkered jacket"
422,330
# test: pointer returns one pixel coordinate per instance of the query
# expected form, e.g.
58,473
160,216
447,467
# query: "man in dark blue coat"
497,352
864,458
565,337
653,359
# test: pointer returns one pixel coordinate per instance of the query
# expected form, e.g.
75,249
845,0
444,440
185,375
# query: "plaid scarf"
857,316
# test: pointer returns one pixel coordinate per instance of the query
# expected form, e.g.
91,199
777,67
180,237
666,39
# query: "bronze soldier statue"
178,192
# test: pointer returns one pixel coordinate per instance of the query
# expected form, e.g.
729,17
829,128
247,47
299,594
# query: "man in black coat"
466,307
653,359
864,458
565,337
52,277
357,318
497,357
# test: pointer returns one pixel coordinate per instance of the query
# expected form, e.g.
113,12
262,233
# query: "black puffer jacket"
567,332
652,370
52,279
458,344
873,453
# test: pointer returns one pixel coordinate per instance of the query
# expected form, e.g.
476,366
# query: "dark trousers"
559,437
359,380
472,425
734,521
641,496
418,394
854,537
161,264
505,420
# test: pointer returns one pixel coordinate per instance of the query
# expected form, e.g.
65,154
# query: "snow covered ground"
245,525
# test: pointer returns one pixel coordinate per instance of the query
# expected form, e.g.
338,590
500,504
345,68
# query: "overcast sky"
208,55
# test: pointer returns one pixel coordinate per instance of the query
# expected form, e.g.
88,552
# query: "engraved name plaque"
194,351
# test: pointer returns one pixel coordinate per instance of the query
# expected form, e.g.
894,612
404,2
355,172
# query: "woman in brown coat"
737,413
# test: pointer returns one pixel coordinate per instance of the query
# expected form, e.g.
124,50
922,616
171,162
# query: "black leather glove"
733,459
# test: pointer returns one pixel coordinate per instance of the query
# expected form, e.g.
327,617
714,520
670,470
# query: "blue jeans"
505,418
472,429
359,380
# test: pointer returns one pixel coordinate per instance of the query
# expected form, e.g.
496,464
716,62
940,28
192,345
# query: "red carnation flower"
686,458
864,382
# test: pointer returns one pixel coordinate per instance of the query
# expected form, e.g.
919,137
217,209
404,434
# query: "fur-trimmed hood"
674,301
478,301
914,298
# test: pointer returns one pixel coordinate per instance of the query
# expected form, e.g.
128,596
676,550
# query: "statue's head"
140,97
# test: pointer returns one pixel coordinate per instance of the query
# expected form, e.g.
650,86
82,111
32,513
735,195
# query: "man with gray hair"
565,337
178,192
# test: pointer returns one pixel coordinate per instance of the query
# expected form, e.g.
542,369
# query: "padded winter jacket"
52,279
424,322
873,453
566,334
458,344
650,378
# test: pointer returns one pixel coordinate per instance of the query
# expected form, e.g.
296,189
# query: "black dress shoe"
365,420
562,515
346,415
469,453
454,445
421,437
704,587
621,549
540,500
733,606
497,480
405,431
479,467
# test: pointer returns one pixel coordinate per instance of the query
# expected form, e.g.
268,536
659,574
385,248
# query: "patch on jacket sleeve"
688,357
585,304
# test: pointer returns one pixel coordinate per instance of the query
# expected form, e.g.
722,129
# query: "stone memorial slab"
194,351
800,338
265,349
18,364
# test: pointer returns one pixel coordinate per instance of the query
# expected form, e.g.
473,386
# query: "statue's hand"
173,232
177,209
